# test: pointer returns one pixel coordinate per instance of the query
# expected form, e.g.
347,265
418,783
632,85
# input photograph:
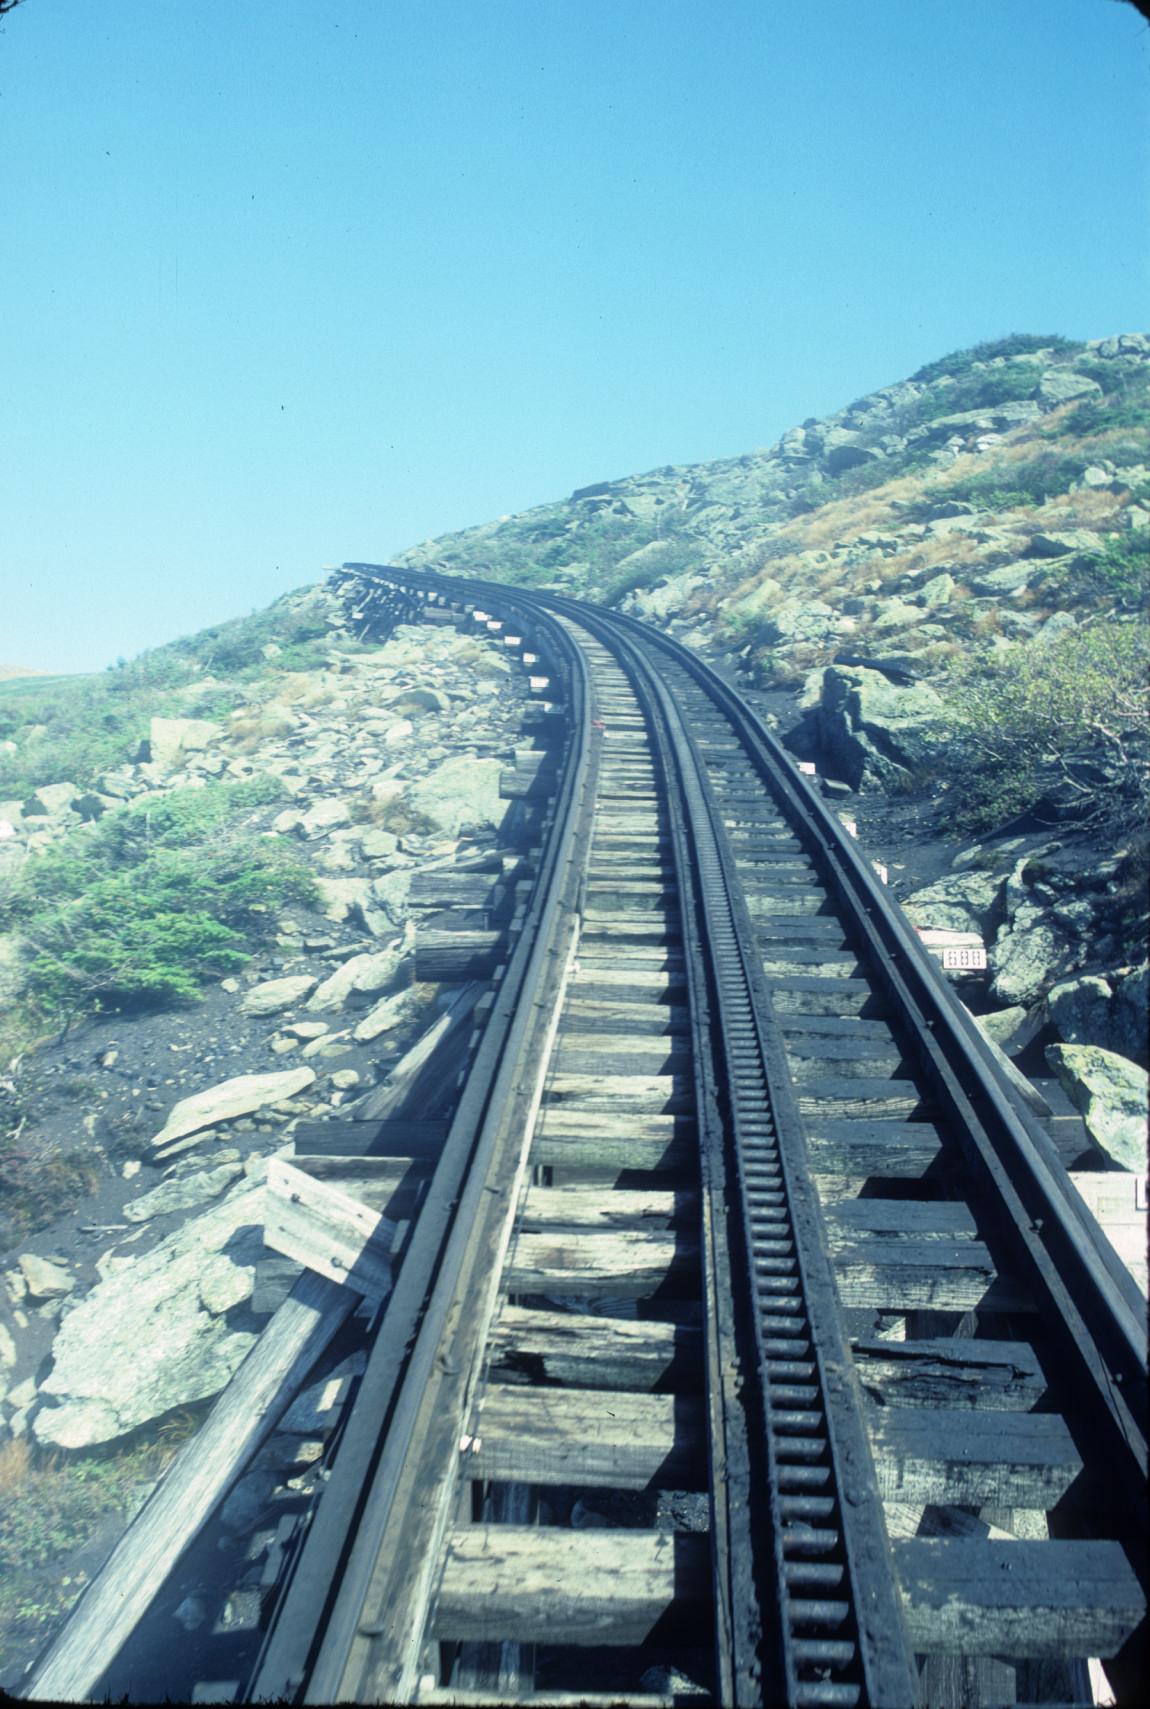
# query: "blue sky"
288,283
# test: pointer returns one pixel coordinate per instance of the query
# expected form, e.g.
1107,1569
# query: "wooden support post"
260,1392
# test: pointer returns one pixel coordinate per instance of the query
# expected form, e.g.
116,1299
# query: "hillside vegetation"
981,528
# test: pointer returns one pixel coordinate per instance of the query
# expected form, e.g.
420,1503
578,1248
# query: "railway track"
780,1365
751,1346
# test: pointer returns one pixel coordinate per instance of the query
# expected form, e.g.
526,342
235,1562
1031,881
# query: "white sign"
963,951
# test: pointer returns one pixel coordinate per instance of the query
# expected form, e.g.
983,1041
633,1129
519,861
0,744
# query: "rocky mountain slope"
151,1067
206,855
942,590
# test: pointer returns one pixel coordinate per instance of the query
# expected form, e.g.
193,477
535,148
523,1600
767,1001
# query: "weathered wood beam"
613,1439
599,1588
1017,1599
265,1384
582,1351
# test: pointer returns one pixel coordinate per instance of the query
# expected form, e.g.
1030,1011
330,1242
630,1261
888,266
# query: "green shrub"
1014,344
1005,486
1120,571
142,908
1125,405
1064,724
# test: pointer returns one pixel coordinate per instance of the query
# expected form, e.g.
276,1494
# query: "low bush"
1010,486
142,908
1014,344
1061,728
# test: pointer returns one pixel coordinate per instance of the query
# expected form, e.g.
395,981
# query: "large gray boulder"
275,995
1023,955
1111,1093
231,1098
800,619
1110,1012
961,902
873,730
154,1334
366,975
182,1192
462,794
170,739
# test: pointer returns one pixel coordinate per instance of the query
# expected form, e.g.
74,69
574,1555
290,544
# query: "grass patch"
52,1508
1061,727
140,909
960,362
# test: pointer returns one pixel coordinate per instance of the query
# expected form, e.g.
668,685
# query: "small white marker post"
959,952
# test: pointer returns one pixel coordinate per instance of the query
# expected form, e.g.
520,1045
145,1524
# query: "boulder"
1010,1029
1063,385
390,892
378,845
1023,955
1006,579
231,1098
938,591
45,1280
418,700
461,794
1109,1012
800,619
169,739
360,976
961,902
182,1192
323,816
57,797
144,1341
1111,1093
386,1015
274,995
1057,545
340,897
871,729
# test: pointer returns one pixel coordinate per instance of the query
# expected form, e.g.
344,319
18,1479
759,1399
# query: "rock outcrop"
1112,1095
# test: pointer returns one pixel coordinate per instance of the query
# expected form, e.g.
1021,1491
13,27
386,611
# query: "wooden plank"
614,1439
459,954
900,1150
1017,1599
447,887
620,1208
811,1056
972,1458
326,1225
865,1097
441,1036
919,1275
339,1138
596,1588
809,1027
780,961
247,1411
1000,1376
794,996
595,1352
620,1016
912,1219
651,1053
665,1094
629,985
610,1148
598,1266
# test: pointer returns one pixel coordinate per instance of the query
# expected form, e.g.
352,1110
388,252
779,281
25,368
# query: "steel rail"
1089,1303
753,1088
316,1622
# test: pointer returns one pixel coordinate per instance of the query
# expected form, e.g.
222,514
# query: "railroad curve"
750,1344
